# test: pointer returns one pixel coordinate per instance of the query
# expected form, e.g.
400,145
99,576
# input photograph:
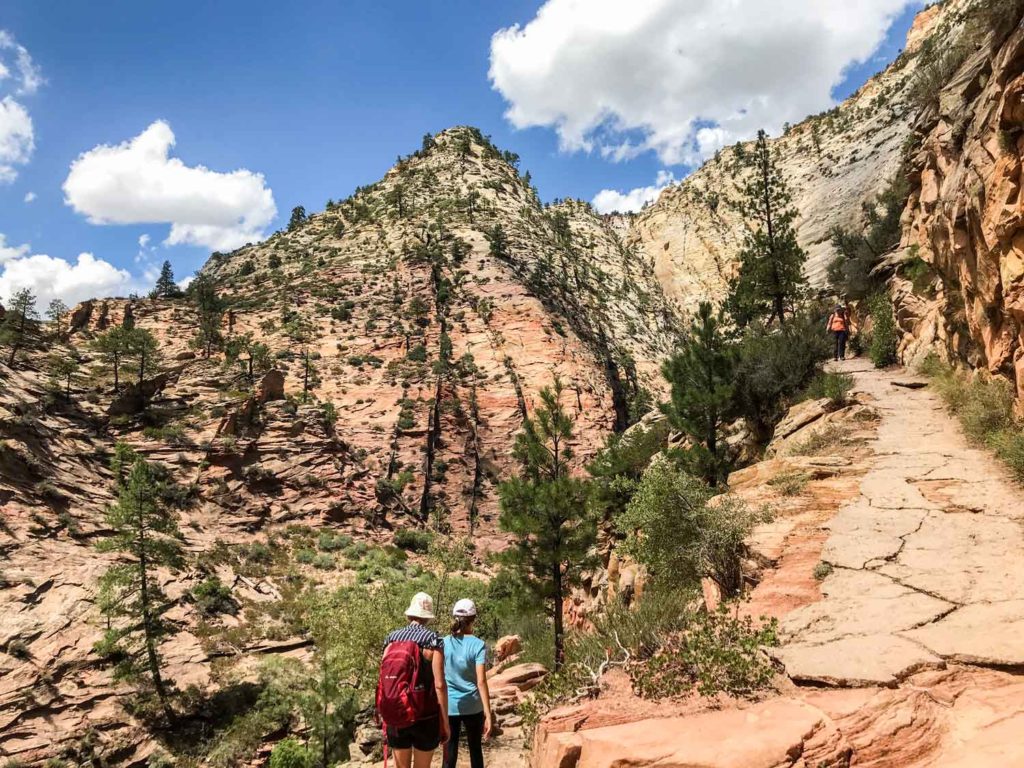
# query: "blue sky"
320,98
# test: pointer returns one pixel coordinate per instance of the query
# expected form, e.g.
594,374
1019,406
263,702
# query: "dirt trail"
912,654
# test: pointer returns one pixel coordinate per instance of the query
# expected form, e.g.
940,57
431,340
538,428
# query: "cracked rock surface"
927,558
908,653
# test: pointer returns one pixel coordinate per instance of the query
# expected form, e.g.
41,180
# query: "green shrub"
790,483
305,556
212,597
290,753
413,540
417,354
820,442
672,650
329,542
672,526
884,333
323,561
835,386
984,405
717,652
822,570
774,367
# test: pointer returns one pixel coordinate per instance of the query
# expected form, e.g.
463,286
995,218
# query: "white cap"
421,606
464,609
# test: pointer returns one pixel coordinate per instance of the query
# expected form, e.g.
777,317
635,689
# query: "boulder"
271,387
799,416
507,647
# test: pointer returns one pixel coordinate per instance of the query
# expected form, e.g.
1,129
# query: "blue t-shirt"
461,655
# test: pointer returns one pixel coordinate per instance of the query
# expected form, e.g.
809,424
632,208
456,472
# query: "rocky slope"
965,217
429,336
834,163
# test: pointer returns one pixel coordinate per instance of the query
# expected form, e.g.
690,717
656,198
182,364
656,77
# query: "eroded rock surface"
901,653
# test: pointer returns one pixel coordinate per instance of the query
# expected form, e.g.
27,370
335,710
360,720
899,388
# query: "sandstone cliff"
833,162
965,217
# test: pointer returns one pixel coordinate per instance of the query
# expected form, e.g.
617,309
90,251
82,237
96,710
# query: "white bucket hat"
464,609
421,607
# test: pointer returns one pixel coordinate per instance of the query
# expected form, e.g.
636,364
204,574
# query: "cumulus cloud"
138,182
612,201
52,278
9,252
19,76
681,78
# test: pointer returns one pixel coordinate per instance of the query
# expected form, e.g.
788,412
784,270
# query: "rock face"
833,162
433,305
965,217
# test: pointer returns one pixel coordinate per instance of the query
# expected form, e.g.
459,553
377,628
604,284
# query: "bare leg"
403,758
422,759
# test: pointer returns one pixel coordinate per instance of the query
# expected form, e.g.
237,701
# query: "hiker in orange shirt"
839,324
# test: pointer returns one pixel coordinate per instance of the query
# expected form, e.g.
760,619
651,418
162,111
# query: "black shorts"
424,736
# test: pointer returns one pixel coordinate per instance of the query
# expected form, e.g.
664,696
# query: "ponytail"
461,624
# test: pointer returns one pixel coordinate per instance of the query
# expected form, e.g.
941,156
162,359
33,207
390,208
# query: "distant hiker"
412,700
469,700
839,325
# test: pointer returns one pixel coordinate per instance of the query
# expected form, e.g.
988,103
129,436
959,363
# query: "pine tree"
145,531
165,287
55,314
253,356
210,307
546,509
142,348
112,346
701,375
499,242
771,262
298,217
18,322
63,368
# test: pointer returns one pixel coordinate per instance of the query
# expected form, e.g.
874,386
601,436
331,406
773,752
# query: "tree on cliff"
18,322
252,356
112,346
298,217
141,348
166,287
63,368
701,374
145,532
546,509
55,314
210,307
771,275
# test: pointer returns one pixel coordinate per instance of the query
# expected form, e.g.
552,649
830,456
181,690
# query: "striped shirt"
426,639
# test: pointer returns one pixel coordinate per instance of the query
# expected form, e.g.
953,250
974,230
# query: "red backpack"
402,699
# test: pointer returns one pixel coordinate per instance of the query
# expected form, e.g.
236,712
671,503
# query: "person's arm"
485,697
828,323
437,663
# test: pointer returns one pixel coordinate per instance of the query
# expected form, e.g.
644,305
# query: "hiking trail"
909,650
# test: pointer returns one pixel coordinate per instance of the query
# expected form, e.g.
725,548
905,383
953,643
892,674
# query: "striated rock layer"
965,217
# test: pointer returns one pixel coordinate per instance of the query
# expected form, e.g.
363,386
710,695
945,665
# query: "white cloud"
680,77
50,278
30,197
19,76
137,182
143,241
612,201
9,252
17,138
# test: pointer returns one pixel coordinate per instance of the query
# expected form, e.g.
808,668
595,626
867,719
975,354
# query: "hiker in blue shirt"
469,700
